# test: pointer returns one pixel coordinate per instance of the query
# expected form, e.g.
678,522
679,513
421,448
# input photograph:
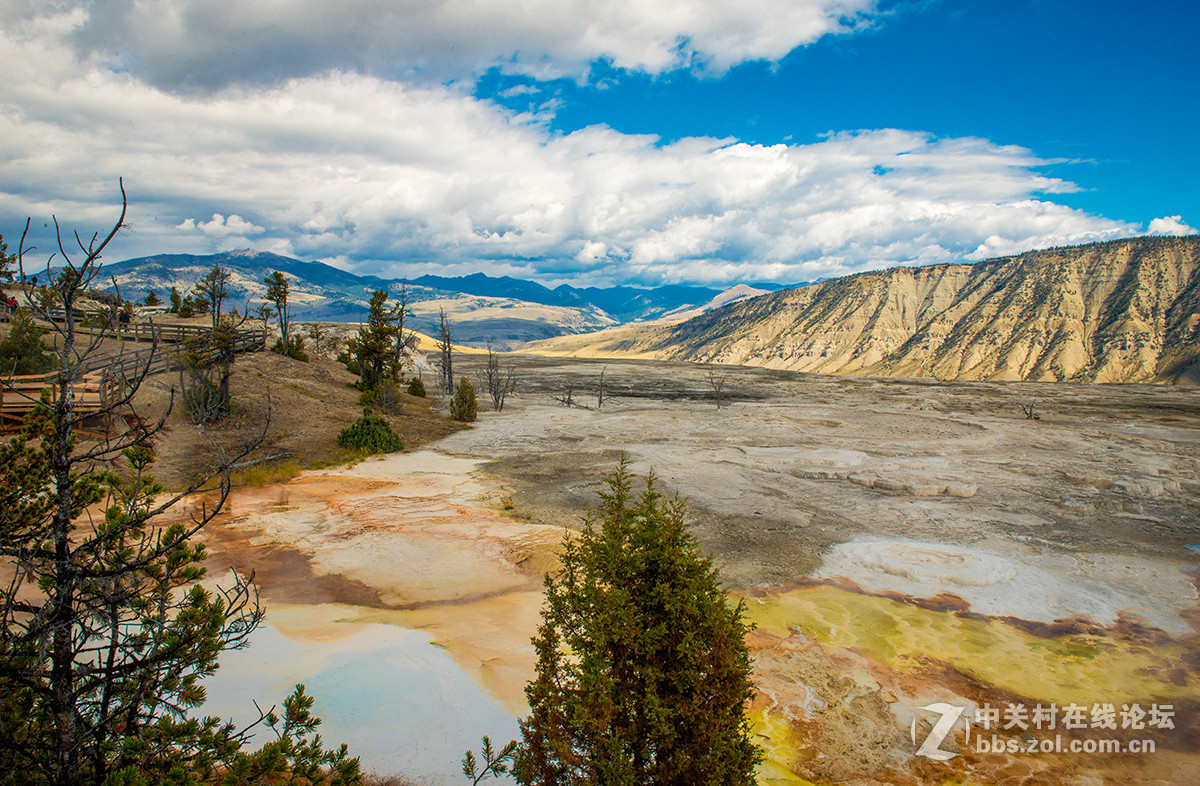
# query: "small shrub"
295,348
22,351
384,397
416,387
204,399
462,406
371,434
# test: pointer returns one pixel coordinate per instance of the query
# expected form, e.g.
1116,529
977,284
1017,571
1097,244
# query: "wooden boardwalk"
20,394
105,376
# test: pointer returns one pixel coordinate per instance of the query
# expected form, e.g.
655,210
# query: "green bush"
462,406
22,351
295,348
384,397
370,433
416,387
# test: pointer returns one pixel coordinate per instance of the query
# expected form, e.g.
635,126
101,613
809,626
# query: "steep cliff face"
1122,311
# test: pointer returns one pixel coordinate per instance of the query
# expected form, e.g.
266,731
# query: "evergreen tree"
23,351
187,307
463,406
643,673
371,353
152,299
176,301
277,293
211,292
7,261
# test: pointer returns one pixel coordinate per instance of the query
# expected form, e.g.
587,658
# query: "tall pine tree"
643,674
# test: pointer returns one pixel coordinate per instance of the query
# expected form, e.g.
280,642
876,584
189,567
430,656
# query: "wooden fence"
105,376
168,355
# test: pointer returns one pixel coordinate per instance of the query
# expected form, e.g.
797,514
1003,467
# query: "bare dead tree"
400,313
566,396
601,393
498,382
446,355
717,383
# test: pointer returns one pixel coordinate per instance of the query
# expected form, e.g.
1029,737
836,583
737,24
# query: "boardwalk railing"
165,356
105,376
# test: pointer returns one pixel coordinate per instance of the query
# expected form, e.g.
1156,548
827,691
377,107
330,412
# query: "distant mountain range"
504,311
1121,311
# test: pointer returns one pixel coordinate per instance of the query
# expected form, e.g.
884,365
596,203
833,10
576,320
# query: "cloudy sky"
641,141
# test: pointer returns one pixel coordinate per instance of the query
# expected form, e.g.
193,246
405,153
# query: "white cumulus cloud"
221,227
1171,225
393,178
206,44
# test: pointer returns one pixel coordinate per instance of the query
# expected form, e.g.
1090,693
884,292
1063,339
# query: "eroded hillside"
1122,311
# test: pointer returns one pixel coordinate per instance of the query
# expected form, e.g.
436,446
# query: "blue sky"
1111,90
561,140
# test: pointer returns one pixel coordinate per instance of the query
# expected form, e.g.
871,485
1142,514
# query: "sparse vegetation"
295,349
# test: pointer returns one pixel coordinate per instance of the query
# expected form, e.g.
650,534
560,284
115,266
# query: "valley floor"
898,543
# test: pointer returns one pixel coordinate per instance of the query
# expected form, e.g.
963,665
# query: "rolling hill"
1120,311
504,311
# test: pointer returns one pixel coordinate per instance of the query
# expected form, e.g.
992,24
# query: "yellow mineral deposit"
867,652
404,592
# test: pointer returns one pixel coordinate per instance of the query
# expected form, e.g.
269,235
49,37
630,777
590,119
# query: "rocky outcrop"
1121,311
